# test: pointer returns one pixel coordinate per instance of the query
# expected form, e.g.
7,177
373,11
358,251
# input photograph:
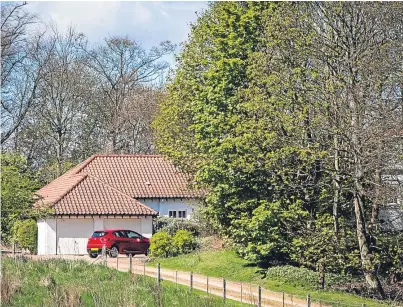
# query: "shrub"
172,225
161,245
303,277
26,234
184,241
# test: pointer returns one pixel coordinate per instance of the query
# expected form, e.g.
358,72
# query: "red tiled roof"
110,184
140,176
91,196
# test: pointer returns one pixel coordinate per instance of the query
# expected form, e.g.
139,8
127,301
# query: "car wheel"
147,252
113,252
93,255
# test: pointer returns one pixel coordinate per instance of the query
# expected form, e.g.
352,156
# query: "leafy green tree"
241,127
282,112
26,234
17,187
319,247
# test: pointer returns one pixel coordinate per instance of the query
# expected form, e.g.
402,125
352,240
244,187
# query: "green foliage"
17,187
240,128
161,245
26,234
389,246
172,225
184,241
303,277
336,253
254,115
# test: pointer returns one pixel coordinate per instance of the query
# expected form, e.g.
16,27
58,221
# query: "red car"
117,241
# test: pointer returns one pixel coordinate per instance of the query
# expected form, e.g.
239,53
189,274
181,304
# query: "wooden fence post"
308,300
259,296
158,273
283,300
105,255
130,262
224,288
191,281
14,248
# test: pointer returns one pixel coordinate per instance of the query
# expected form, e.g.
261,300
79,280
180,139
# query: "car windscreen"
98,234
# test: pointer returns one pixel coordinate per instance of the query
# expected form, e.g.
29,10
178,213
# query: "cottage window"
179,214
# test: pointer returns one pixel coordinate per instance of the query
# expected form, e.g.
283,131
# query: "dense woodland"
289,115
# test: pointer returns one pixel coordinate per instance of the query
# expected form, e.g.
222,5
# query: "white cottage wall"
98,223
163,206
147,226
46,237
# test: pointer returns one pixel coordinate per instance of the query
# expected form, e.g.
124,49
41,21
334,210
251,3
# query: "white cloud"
141,14
87,17
149,23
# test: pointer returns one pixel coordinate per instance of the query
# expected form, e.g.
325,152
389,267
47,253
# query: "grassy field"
63,283
228,265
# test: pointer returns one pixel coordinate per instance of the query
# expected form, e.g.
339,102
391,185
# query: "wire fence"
243,292
247,293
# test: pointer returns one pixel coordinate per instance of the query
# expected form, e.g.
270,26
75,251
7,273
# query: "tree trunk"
377,202
321,281
336,187
111,142
365,253
59,150
366,257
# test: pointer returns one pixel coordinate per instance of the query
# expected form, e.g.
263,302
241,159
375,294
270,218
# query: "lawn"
228,265
63,283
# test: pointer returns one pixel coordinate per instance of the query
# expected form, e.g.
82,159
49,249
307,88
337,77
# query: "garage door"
73,234
132,224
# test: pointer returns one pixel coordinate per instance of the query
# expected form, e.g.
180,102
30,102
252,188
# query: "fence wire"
246,293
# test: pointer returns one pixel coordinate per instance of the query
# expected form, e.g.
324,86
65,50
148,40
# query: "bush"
303,277
184,241
26,234
172,225
161,245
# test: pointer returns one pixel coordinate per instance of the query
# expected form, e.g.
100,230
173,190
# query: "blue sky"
147,22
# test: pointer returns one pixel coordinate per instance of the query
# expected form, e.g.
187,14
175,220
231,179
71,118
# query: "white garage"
69,236
72,235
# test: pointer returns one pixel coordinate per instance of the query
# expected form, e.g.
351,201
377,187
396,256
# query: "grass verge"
228,265
58,282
